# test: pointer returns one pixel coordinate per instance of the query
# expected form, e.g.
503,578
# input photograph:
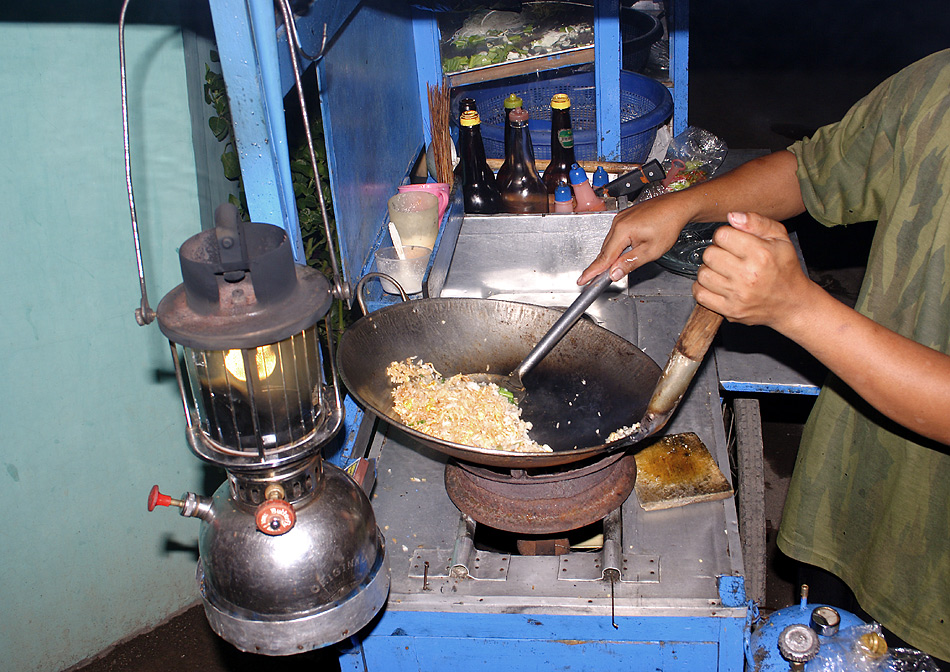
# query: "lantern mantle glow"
291,557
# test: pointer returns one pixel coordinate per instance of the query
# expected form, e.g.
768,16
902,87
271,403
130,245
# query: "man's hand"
638,234
751,273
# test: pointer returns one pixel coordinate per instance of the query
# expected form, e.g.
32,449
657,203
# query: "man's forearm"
767,185
906,381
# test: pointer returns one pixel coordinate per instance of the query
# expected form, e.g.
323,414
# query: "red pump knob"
275,516
155,498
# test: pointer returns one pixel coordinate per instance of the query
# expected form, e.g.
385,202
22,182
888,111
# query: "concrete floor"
754,93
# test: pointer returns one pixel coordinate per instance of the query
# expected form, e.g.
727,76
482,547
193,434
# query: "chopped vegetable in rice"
458,409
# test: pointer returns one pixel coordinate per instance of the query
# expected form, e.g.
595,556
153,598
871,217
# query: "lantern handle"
143,314
341,289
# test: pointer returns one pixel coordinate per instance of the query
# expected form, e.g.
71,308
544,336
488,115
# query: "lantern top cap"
241,288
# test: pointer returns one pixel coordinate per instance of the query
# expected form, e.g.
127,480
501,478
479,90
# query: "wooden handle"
588,166
684,361
698,333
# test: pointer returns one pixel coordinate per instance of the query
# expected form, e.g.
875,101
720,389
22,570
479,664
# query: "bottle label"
565,138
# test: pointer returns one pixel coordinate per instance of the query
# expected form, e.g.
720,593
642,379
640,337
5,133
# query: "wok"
591,384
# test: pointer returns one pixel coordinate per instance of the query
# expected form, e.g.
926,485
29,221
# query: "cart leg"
750,462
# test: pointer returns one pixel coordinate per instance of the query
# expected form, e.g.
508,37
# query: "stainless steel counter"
682,572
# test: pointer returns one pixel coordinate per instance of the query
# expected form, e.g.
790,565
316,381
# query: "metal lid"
470,118
825,620
798,643
560,101
241,288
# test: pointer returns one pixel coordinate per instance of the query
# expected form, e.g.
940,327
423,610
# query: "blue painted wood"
607,77
310,30
528,655
732,644
425,32
678,17
732,590
249,62
467,641
372,120
733,386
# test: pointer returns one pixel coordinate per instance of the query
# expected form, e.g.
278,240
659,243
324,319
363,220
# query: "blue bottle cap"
577,174
600,177
562,193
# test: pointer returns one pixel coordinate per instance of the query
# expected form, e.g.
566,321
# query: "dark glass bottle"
562,143
465,105
512,102
522,190
478,181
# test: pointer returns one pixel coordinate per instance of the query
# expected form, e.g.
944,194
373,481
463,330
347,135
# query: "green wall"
89,412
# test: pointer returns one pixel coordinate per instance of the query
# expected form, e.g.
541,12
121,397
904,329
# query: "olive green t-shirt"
869,500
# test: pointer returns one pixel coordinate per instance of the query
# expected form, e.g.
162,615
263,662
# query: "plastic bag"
692,157
861,648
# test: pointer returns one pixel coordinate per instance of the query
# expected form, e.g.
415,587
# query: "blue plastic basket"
645,105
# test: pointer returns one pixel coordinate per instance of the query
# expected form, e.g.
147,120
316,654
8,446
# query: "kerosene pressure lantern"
290,555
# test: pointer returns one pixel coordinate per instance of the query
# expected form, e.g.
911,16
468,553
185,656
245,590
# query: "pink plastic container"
440,189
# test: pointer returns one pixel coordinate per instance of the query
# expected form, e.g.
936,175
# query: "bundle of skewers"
439,112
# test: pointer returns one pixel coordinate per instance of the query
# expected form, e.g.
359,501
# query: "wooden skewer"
588,166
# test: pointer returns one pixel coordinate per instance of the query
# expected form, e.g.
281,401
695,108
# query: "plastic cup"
407,272
416,216
440,189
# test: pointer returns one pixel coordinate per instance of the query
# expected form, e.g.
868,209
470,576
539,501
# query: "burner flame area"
542,502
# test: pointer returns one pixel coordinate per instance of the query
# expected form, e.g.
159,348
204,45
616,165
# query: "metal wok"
592,383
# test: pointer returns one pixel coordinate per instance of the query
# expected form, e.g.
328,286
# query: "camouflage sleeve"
848,169
844,165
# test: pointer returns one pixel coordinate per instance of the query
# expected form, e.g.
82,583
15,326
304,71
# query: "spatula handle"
563,324
698,333
688,353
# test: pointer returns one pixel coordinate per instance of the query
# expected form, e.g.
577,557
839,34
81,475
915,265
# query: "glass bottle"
522,190
479,191
512,102
562,143
467,105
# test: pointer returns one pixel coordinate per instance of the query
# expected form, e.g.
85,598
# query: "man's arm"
645,231
751,274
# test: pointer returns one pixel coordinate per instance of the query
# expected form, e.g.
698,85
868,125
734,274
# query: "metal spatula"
512,382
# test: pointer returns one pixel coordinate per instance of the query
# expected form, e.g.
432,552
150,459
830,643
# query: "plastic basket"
645,104
638,32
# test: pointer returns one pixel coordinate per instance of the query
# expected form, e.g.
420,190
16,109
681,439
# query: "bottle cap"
798,644
577,174
513,101
600,177
470,118
560,101
562,194
519,115
872,645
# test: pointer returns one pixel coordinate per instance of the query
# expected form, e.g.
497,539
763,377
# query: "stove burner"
547,501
